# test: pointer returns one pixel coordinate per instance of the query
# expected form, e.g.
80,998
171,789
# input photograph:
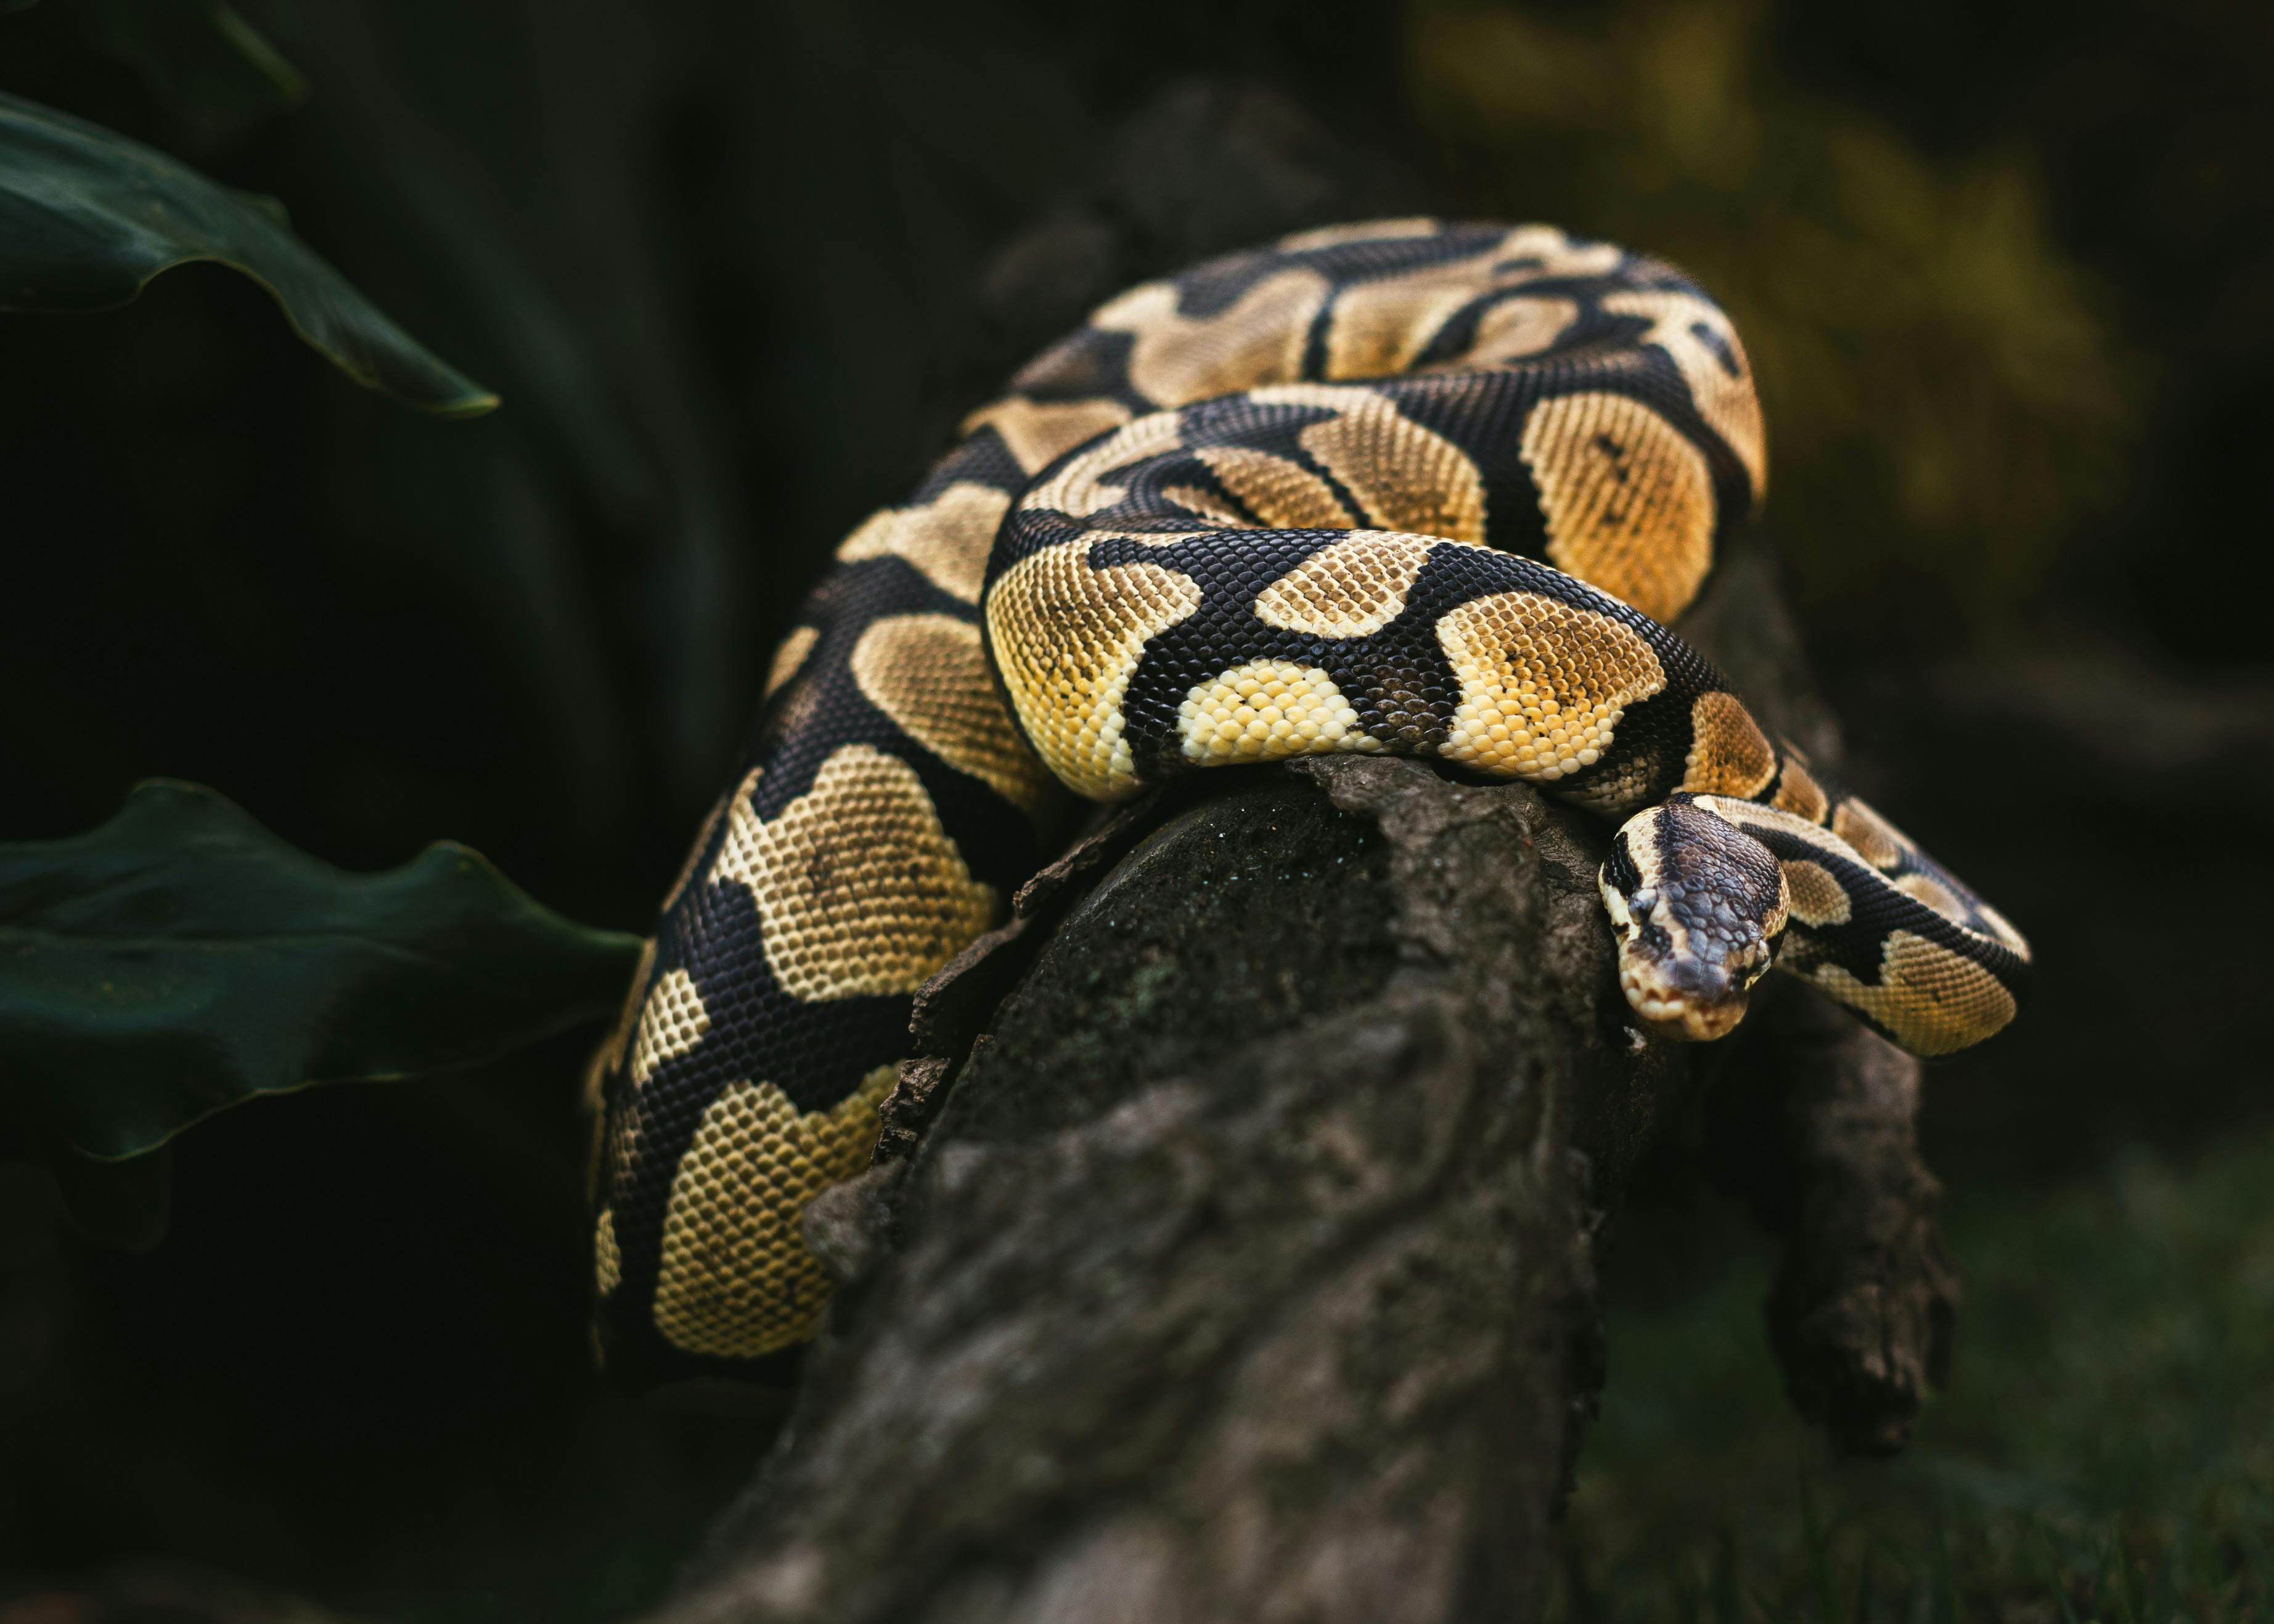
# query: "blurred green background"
2006,272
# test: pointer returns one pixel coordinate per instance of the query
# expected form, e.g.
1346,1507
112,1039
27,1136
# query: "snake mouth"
1686,1014
1680,984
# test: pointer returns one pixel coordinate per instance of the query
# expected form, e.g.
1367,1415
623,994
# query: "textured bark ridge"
1229,1256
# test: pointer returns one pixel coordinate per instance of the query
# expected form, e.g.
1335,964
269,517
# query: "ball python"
1410,487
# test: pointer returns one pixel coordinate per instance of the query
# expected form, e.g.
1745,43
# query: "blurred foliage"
202,53
88,217
181,958
2109,1438
1947,393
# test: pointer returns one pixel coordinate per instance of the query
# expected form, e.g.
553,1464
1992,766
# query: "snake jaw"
1679,995
1697,908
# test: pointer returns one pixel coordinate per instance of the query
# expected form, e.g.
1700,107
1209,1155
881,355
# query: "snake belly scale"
1410,487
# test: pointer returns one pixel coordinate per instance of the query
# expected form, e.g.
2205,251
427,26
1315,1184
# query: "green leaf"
181,958
202,53
87,218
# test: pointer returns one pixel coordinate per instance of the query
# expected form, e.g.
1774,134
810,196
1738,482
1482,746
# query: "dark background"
2006,274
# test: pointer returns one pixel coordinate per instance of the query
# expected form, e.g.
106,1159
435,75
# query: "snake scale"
1408,486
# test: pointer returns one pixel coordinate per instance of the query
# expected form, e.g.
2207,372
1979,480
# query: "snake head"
1699,906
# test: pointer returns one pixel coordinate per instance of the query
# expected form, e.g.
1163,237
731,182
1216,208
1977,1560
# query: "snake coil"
1406,487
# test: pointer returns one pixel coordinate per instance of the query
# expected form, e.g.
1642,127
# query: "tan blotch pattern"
1931,1000
1268,709
607,1261
1067,639
946,538
1554,254
1877,841
791,656
1728,752
1798,793
1378,326
1037,432
1926,889
1517,327
858,887
1358,231
928,672
1407,477
1256,339
1351,588
736,1280
1728,403
1543,684
1282,494
672,1022
622,1151
1816,895
1629,500
1081,487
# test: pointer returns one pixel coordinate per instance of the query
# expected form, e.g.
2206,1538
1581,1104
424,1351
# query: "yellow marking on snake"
1349,589
1513,329
1553,253
607,1262
1256,339
1799,793
1282,494
1380,326
1406,476
1728,752
858,887
946,538
1724,399
929,674
788,660
736,1280
1038,432
623,1148
1877,841
670,1024
1627,499
1816,895
1931,1000
1544,685
1067,640
1080,488
1358,231
1268,709
1926,889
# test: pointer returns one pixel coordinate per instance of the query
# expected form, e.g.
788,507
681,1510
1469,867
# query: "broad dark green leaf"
181,958
202,53
87,218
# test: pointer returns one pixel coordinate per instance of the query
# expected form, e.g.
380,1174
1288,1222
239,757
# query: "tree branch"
1237,1264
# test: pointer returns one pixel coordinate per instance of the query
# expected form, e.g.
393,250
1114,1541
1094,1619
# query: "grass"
2106,1452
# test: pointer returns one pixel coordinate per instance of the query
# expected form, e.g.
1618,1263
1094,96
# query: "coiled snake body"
1407,487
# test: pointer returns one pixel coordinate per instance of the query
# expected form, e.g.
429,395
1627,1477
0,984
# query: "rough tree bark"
1230,1254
